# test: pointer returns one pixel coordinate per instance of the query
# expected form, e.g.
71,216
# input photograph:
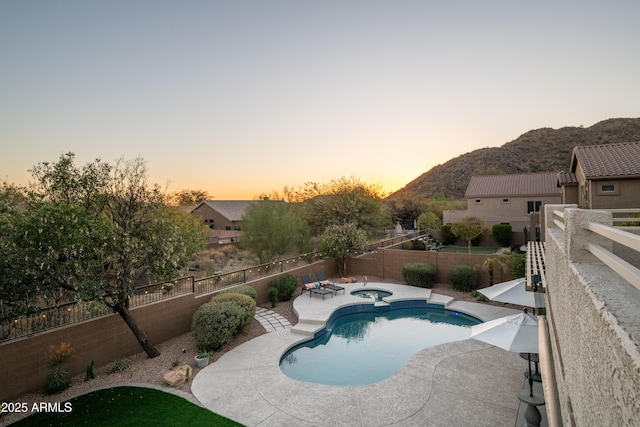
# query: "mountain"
538,150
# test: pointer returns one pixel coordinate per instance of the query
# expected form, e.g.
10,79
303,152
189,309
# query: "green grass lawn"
474,249
128,406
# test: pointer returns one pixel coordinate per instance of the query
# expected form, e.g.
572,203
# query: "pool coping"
465,382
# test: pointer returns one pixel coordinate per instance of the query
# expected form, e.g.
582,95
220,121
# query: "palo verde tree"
468,228
273,228
95,234
343,201
341,241
428,221
188,197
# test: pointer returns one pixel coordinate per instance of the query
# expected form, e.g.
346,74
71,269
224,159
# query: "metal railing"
12,327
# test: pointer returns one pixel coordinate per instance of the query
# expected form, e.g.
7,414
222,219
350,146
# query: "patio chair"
327,284
313,287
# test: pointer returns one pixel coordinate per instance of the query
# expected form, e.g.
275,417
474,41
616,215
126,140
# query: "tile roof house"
603,176
515,199
223,217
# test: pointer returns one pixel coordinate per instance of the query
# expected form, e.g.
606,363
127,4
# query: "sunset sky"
240,98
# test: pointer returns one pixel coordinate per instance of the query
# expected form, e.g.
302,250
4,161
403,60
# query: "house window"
609,188
228,227
505,200
533,206
478,201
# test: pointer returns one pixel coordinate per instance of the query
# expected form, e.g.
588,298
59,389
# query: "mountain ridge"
538,150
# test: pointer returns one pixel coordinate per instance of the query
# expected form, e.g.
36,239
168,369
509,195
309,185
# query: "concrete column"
577,236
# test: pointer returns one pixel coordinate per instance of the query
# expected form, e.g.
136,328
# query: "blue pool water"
365,348
377,294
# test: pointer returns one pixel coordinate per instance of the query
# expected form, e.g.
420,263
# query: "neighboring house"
515,199
223,217
603,176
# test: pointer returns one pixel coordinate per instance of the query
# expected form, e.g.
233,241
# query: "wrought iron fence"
74,312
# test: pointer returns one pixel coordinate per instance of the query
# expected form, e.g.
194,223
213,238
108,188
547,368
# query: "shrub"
245,302
414,245
57,381
517,264
502,234
419,274
215,323
464,278
448,238
480,297
90,373
273,296
286,284
118,365
242,289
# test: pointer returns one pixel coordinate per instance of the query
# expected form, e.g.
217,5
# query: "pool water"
376,294
365,348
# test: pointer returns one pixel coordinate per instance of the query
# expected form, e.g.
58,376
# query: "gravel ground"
180,351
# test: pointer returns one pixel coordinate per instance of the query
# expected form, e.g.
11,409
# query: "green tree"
343,201
95,243
341,241
468,228
272,229
493,264
188,197
428,221
406,209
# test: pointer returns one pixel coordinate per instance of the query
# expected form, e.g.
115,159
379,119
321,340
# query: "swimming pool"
366,347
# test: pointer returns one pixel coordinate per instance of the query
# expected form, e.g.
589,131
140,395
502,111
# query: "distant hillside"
535,151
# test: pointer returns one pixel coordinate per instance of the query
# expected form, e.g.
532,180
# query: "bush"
502,234
245,302
273,296
419,274
242,289
414,245
464,278
448,238
286,284
215,323
57,381
480,297
118,365
517,264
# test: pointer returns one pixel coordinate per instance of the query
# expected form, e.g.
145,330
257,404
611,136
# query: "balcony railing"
596,232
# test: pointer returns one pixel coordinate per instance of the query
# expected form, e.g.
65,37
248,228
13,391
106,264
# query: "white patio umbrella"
517,333
514,292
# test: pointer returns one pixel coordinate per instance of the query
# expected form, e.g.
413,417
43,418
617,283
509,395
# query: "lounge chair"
309,285
327,284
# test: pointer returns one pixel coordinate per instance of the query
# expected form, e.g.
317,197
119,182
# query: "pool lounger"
327,284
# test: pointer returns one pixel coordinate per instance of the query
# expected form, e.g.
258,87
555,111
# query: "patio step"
307,328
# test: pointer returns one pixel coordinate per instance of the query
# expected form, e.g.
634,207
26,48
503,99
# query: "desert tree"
95,234
342,241
272,229
188,197
342,201
428,221
468,228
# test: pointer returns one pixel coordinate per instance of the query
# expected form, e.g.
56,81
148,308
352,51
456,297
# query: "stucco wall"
24,361
595,327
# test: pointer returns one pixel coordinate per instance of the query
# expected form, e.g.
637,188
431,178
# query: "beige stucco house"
223,217
603,176
515,199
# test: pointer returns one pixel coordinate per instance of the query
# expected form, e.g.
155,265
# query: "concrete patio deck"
461,383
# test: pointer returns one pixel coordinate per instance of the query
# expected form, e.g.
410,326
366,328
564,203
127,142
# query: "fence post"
577,236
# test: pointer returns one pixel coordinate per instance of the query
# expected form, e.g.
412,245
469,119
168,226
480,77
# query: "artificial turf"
128,406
